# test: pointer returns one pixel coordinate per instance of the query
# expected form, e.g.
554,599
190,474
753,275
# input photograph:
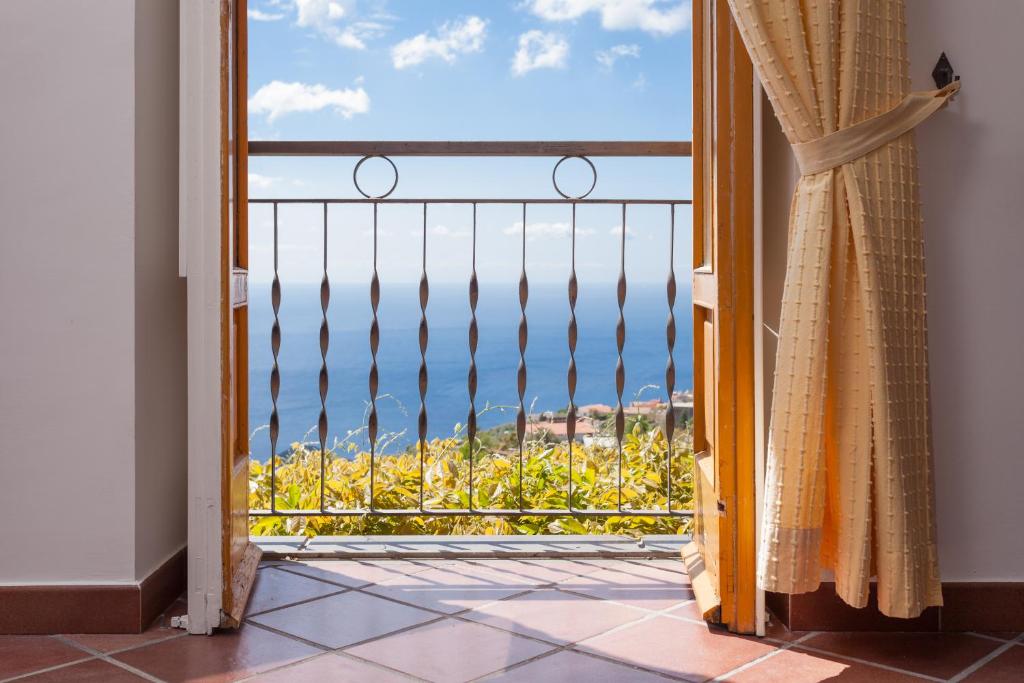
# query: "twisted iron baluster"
424,296
371,426
325,340
524,293
620,342
670,339
275,372
471,380
570,378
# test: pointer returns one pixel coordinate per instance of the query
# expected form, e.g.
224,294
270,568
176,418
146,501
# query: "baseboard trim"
44,610
968,606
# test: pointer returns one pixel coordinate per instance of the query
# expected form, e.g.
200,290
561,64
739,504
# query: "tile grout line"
461,616
757,660
379,665
110,660
329,653
327,648
56,667
298,602
155,641
647,614
568,648
879,665
986,636
1005,647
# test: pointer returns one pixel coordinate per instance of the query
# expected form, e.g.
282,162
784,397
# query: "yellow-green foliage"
495,486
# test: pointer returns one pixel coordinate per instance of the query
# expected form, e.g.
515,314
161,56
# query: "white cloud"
445,231
440,231
336,20
640,82
616,230
659,17
259,15
607,58
261,182
452,39
543,229
540,50
278,98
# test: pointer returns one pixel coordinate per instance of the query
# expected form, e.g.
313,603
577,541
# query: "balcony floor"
530,620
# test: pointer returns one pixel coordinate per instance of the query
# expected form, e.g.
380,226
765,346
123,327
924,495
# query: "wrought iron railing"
562,150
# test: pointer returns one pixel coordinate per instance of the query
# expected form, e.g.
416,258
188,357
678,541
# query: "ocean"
497,357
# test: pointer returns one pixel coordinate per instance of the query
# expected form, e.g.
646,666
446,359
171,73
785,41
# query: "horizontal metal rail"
475,512
443,148
511,200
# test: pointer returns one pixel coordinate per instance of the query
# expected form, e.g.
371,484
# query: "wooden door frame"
212,205
733,201
727,200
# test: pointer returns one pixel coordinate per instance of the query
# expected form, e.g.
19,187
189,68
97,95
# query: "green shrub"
496,473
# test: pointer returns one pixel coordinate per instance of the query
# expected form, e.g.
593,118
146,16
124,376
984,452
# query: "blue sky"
464,70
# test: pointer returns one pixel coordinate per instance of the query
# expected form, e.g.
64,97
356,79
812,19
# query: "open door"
721,558
240,557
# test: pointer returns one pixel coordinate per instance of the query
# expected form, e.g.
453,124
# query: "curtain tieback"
843,146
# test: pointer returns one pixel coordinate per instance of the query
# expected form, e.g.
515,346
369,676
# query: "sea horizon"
645,355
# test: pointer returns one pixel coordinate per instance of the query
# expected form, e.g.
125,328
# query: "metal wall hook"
943,72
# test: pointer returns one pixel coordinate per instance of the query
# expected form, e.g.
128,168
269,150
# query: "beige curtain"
849,476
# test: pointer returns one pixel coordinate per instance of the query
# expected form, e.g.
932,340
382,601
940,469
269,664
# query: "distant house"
559,429
595,410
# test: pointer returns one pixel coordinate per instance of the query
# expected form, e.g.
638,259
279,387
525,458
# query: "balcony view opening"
464,318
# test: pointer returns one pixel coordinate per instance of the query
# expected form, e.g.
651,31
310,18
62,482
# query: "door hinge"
239,287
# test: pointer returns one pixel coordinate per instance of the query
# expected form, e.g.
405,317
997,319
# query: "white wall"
84,449
972,187
160,324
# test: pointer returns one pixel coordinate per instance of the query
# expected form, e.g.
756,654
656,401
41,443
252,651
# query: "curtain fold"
849,475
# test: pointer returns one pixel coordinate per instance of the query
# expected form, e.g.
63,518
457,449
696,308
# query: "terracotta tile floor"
528,621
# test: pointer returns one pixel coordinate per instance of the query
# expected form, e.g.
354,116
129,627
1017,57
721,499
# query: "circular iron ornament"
355,174
554,176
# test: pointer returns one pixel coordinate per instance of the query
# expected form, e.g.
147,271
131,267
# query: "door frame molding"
200,262
727,211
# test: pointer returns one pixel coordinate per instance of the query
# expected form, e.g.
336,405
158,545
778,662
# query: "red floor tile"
688,610
934,654
677,647
660,570
92,671
638,588
330,667
665,564
343,619
450,651
1006,668
1001,635
352,573
158,630
22,654
536,573
555,616
573,667
225,656
791,666
448,590
776,630
275,588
